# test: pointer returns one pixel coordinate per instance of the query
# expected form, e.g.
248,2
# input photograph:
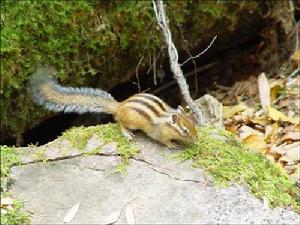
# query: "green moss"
8,158
39,154
107,133
102,42
15,215
228,161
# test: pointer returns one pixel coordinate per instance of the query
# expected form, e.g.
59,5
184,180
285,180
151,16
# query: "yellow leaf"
272,132
275,87
257,143
261,120
276,115
229,111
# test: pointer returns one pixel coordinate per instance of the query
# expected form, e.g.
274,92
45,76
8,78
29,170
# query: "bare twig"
201,53
154,70
137,73
141,59
150,63
187,75
160,14
194,62
294,73
297,40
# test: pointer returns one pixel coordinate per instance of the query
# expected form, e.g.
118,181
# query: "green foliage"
34,33
8,158
79,38
79,137
87,42
228,161
15,215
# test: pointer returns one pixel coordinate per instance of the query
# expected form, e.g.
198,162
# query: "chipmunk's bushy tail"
47,92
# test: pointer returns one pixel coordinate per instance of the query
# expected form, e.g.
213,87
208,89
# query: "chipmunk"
141,111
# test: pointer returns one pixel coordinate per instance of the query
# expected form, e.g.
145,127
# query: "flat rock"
157,189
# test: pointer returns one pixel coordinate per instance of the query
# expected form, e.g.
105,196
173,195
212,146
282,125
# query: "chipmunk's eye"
185,131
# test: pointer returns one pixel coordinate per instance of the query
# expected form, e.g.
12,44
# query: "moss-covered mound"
229,161
218,152
91,42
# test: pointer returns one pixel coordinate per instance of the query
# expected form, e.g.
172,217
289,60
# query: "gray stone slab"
158,191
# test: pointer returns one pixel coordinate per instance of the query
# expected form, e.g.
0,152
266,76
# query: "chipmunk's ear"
188,110
184,110
180,109
174,118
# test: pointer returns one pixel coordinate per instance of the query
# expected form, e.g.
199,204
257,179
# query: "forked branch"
162,20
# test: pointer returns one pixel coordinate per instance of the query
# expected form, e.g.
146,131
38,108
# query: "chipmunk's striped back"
148,106
152,115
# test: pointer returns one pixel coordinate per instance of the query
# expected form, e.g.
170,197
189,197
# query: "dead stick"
159,10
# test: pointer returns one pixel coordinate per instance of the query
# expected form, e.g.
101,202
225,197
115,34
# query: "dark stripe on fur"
154,99
146,104
142,113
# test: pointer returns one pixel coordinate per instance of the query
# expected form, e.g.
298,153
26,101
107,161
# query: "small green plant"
8,158
228,161
107,133
14,215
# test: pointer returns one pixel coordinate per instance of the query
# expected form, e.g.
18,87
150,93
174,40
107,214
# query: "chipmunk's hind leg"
126,132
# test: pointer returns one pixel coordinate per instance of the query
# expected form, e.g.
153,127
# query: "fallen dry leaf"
249,112
261,120
272,131
231,127
229,111
246,131
113,217
7,202
293,136
276,115
292,128
278,151
129,215
290,169
269,130
293,151
275,87
256,143
264,91
71,214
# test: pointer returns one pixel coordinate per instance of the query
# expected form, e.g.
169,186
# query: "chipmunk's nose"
193,139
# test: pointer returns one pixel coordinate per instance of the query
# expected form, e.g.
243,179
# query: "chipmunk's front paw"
127,133
171,145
